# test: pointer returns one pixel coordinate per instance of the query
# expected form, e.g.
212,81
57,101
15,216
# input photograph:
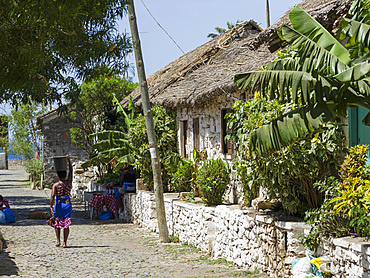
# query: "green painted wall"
358,132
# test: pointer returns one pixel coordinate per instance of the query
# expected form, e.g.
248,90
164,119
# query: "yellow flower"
207,178
214,182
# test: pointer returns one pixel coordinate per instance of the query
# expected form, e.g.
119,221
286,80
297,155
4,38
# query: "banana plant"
112,146
321,75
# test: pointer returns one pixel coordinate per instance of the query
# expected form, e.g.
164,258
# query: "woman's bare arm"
70,170
52,198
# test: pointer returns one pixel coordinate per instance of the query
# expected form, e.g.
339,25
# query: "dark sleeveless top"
64,189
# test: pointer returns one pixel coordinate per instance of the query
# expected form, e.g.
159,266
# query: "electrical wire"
191,62
162,27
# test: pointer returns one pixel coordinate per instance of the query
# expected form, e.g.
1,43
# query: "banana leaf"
284,130
305,24
355,73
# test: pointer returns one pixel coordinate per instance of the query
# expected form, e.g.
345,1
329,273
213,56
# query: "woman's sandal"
57,245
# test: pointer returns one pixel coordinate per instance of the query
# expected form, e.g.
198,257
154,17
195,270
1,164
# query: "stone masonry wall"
209,116
245,237
57,142
351,257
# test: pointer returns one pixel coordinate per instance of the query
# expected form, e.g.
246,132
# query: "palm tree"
320,74
220,30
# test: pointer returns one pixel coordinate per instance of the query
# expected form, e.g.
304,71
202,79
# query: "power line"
183,52
162,27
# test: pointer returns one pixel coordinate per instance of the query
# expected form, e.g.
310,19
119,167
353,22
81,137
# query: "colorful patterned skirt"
62,213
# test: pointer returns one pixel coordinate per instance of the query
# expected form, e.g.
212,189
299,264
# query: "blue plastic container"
130,187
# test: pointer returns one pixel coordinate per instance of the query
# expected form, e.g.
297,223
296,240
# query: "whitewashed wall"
245,237
210,136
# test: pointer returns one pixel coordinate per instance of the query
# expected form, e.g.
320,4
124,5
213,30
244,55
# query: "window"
227,147
184,138
196,142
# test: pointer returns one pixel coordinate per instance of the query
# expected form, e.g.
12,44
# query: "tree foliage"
25,135
4,132
93,110
46,47
221,30
319,71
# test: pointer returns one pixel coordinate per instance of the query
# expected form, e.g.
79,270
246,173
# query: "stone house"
199,85
56,141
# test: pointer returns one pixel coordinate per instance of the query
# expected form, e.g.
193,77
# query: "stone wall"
209,116
82,180
247,238
351,257
3,161
57,142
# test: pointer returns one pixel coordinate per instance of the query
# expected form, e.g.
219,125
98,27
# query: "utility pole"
158,187
267,14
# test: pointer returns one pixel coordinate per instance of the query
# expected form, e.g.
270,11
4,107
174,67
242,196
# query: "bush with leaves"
345,210
351,199
34,167
165,131
290,173
184,171
182,179
212,179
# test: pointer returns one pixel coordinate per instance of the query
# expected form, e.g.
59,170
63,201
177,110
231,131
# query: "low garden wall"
247,238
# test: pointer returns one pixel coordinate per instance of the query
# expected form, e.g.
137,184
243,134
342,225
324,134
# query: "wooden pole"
158,187
267,14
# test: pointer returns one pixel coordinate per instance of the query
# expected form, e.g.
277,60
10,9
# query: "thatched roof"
208,70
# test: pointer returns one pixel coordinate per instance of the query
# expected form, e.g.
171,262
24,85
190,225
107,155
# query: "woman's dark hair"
62,174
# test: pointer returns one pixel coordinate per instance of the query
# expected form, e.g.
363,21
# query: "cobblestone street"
96,248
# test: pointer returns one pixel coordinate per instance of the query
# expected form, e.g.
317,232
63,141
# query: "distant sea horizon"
11,155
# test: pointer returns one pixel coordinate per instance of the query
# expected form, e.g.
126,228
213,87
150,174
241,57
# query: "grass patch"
247,273
174,239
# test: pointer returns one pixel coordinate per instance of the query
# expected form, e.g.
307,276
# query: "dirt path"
97,248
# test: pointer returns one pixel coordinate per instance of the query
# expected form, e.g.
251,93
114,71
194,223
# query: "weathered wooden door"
359,133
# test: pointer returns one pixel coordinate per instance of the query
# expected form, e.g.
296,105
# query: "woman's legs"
57,233
65,236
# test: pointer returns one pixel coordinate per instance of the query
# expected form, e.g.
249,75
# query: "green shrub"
182,180
165,131
212,179
345,210
352,197
288,174
34,167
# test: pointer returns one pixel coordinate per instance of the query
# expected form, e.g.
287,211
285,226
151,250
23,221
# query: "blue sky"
189,22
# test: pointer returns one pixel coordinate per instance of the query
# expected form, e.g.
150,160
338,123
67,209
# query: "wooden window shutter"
184,125
196,139
227,147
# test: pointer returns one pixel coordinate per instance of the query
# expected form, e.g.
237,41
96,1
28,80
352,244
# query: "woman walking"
60,204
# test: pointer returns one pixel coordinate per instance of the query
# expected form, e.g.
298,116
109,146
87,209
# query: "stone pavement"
96,248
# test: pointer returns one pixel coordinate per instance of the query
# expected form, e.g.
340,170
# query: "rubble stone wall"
247,238
57,142
350,256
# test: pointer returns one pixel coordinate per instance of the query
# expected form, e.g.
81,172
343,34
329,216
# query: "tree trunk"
158,187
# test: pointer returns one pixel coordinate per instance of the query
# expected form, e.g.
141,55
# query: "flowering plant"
212,180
